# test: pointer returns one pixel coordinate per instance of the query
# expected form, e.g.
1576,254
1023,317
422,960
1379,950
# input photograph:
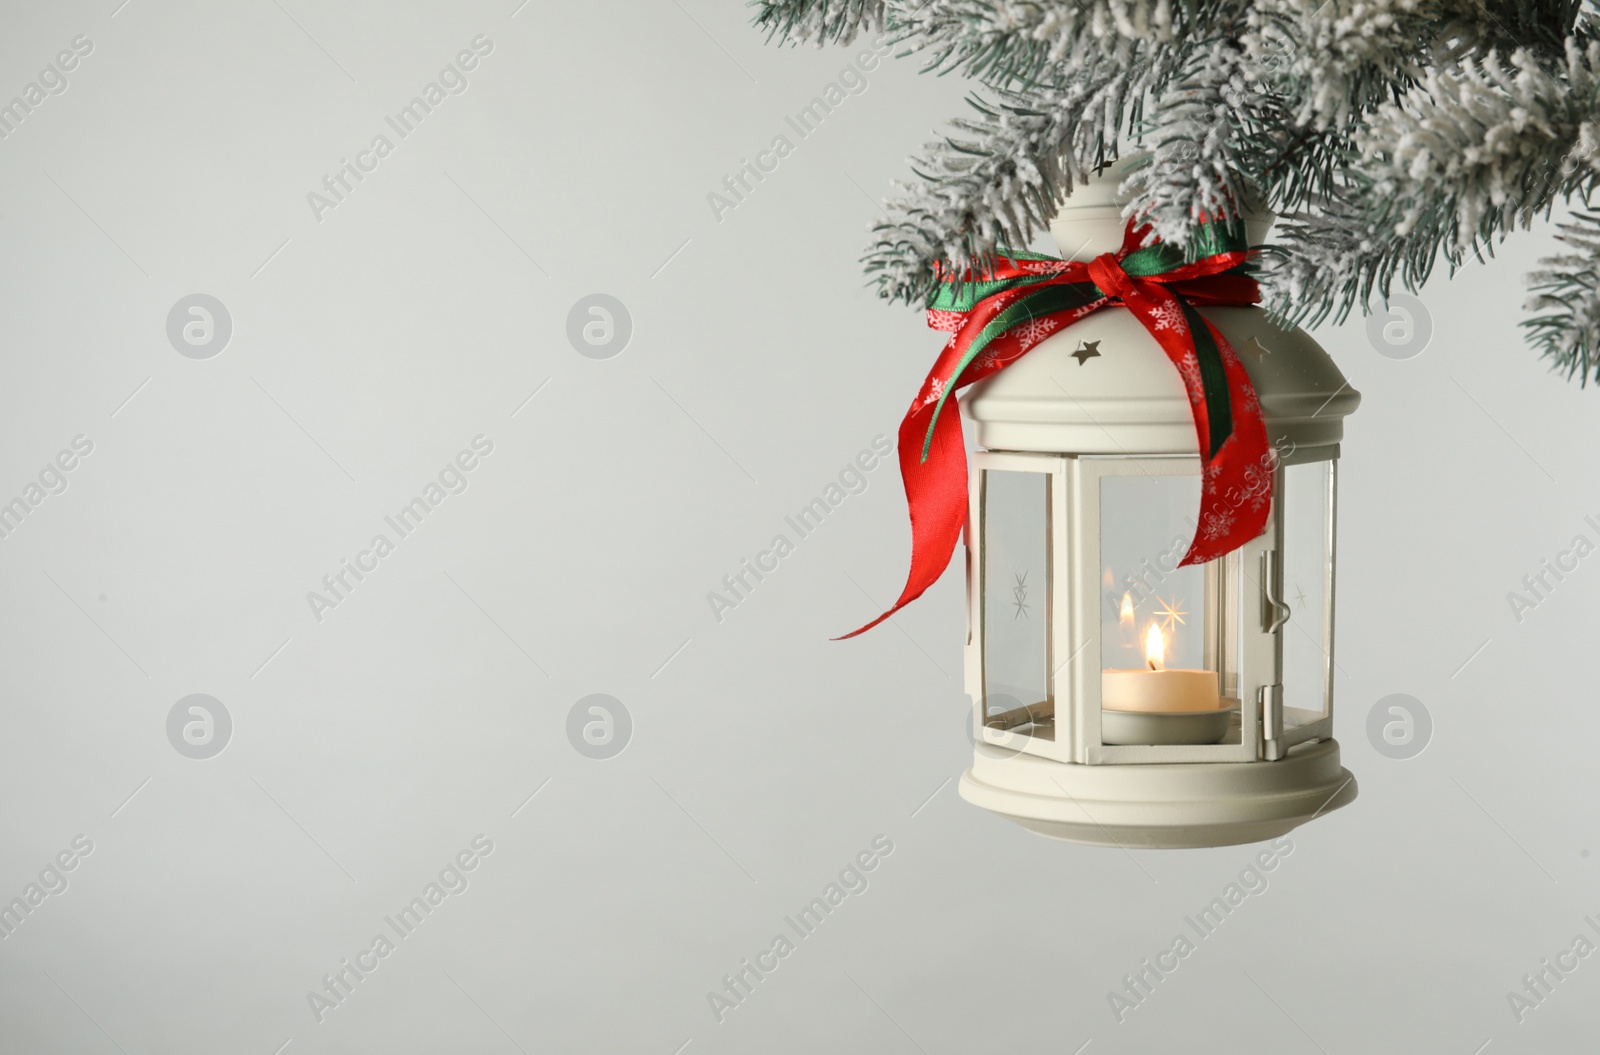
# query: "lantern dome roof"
1103,385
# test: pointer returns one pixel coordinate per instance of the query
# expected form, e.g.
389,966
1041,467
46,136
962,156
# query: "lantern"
1120,698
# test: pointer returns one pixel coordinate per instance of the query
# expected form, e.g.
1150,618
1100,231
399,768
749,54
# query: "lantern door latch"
1274,613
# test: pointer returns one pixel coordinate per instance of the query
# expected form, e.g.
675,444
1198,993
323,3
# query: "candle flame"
1155,647
1126,615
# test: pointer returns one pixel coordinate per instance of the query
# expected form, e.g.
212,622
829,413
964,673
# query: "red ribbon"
1236,488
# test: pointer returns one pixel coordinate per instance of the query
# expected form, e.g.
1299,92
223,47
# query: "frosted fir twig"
1484,145
1389,135
1017,44
1196,142
1567,291
996,180
1446,171
818,22
1324,263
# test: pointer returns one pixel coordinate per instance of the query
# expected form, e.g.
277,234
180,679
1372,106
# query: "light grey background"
367,749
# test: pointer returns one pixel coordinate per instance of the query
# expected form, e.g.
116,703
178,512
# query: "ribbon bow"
994,319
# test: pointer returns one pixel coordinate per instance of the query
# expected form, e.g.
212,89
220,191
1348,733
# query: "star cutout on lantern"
1255,347
1089,350
1299,595
1170,614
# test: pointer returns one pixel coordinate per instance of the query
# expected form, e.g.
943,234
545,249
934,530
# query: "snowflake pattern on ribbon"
1168,316
1251,400
1043,267
1217,525
1033,331
1189,369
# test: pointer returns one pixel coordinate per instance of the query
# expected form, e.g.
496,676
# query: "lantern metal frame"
1044,764
1247,585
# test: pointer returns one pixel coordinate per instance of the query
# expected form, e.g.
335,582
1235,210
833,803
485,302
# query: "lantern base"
1160,806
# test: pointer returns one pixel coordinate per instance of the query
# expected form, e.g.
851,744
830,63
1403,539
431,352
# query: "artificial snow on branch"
994,182
1387,134
1015,44
818,22
1567,291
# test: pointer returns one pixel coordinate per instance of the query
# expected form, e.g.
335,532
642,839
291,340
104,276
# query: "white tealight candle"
1157,688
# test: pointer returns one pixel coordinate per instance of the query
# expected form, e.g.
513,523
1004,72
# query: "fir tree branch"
1567,290
1327,261
999,178
818,22
1013,45
1197,142
1389,135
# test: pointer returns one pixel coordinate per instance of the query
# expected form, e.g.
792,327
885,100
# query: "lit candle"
1155,688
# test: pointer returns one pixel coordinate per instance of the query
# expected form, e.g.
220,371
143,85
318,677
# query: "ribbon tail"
1236,479
936,497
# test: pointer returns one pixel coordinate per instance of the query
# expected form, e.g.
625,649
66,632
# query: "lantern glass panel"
1306,498
1145,527
1016,594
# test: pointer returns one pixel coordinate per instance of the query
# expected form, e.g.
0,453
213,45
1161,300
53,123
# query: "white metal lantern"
1083,501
